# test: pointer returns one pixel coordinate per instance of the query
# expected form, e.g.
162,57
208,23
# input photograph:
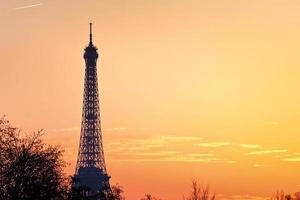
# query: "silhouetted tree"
117,193
280,195
149,197
29,169
199,192
297,195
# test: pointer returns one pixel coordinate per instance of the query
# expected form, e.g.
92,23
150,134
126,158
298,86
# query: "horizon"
202,90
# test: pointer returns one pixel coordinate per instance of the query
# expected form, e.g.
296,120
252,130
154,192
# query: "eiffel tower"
90,169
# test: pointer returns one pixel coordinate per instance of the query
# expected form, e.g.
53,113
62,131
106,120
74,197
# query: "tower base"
94,182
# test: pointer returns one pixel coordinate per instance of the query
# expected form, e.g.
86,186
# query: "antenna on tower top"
91,36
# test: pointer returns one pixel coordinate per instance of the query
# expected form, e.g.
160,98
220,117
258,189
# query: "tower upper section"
90,52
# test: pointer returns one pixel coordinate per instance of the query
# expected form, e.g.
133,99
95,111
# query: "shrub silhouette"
117,193
149,197
280,195
199,192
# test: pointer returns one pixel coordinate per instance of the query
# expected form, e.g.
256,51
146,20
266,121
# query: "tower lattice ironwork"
90,169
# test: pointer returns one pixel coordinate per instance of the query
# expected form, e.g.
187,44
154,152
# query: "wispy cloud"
274,123
163,148
250,146
172,153
116,129
159,153
147,143
27,6
201,155
296,154
175,159
119,129
243,197
176,138
292,159
69,129
170,156
214,144
177,148
268,152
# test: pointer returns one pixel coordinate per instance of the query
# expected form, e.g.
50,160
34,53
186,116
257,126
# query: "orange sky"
204,89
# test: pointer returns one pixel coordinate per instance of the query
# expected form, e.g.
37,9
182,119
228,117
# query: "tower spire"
91,34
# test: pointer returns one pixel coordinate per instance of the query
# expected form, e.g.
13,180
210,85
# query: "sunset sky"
190,89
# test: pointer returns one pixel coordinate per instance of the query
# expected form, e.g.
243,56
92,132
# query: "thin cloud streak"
70,129
214,144
292,155
293,159
268,152
28,6
179,159
160,153
245,197
150,143
120,129
108,129
250,146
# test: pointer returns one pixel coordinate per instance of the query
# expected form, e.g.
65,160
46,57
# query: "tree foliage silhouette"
280,195
117,193
29,169
199,192
149,197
